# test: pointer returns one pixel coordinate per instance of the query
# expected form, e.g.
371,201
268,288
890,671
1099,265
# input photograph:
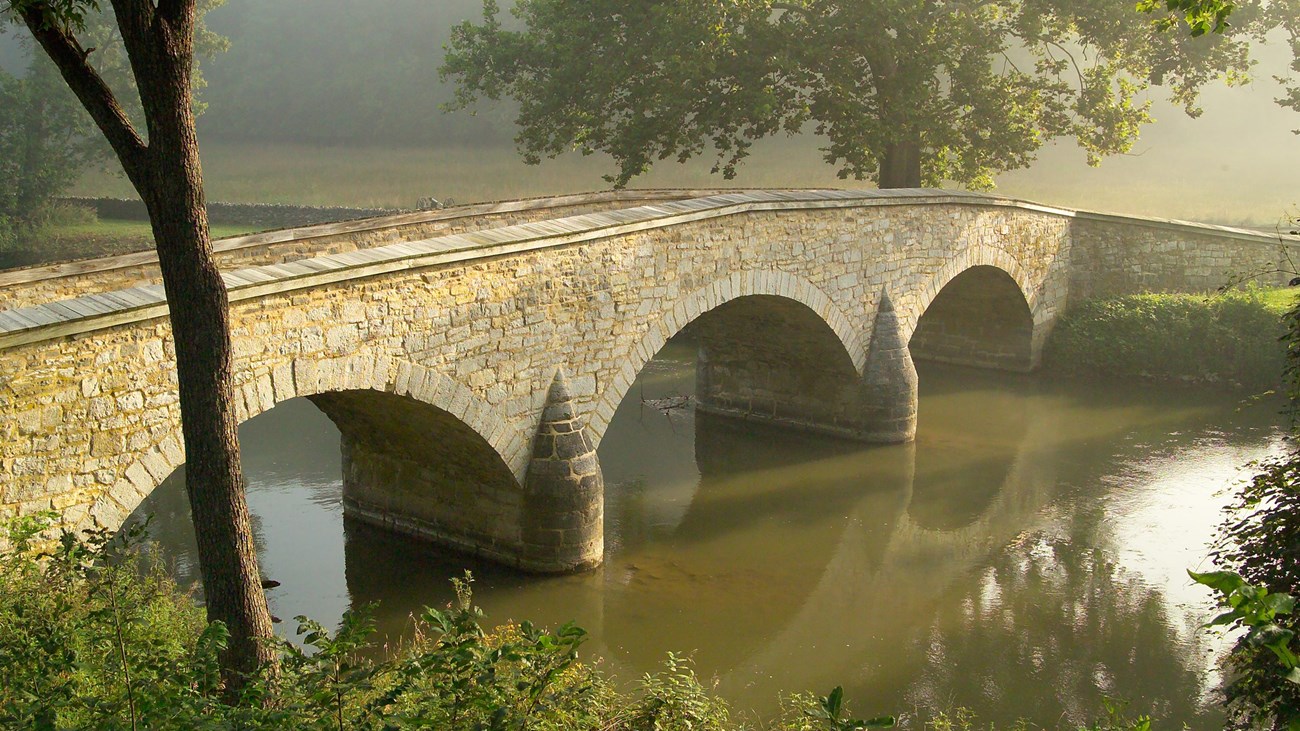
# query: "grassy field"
1250,192
82,240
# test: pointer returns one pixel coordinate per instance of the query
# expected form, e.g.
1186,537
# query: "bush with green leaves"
1230,338
1261,547
94,636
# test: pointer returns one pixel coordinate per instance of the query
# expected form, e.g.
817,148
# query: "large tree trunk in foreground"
900,166
159,41
196,298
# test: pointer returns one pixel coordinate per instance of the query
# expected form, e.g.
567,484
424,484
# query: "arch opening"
772,359
416,469
980,318
402,464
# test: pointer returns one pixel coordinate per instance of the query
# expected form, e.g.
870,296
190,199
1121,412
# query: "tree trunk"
200,320
159,40
900,166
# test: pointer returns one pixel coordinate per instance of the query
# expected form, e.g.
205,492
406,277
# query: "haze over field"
333,101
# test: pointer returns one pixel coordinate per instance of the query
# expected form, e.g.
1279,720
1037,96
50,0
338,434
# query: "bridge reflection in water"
980,565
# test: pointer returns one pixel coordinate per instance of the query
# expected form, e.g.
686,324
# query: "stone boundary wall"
254,215
1117,255
34,285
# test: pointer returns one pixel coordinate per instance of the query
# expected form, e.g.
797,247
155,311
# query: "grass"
83,240
1279,300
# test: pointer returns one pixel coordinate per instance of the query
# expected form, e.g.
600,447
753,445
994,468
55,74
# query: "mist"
338,102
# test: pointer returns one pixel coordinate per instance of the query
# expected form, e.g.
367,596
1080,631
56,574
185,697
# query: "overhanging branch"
91,90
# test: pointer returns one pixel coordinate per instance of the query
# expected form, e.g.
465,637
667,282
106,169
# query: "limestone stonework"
462,336
34,285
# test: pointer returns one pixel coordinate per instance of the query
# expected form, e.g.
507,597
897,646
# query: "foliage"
45,142
90,639
1263,691
1115,718
957,90
1201,16
1261,543
1231,337
1256,609
47,139
93,636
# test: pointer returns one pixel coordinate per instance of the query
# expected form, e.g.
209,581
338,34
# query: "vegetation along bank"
1232,338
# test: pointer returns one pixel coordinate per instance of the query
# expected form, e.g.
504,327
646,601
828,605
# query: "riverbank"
97,636
1231,338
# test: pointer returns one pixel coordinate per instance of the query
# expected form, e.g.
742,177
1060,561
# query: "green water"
1024,557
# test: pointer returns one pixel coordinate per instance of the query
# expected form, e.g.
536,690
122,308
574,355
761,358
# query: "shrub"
1230,338
93,636
91,639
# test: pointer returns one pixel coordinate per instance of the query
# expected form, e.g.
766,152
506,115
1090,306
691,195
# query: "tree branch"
94,94
175,9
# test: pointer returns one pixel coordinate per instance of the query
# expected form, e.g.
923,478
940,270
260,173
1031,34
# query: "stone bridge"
473,374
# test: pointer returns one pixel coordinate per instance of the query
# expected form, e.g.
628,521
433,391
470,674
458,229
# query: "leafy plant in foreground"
1256,609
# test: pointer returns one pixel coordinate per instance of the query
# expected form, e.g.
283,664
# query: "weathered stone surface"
462,335
564,493
889,384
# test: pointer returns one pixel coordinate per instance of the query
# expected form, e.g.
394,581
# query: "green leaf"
1224,582
834,702
1279,603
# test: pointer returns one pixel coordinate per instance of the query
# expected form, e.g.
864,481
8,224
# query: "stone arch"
978,314
960,261
688,309
305,377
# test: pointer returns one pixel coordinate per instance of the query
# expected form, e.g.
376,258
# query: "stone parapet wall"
253,215
474,328
34,285
1117,255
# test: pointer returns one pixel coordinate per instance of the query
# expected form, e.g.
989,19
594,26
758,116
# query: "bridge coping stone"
379,223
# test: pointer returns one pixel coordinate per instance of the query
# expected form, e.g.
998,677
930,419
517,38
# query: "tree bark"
159,41
198,308
900,166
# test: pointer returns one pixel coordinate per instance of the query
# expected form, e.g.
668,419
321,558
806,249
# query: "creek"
1024,558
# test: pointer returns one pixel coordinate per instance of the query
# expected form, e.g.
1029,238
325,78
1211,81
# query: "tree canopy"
907,92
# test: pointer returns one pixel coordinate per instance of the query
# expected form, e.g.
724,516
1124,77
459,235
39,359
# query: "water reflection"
1023,557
